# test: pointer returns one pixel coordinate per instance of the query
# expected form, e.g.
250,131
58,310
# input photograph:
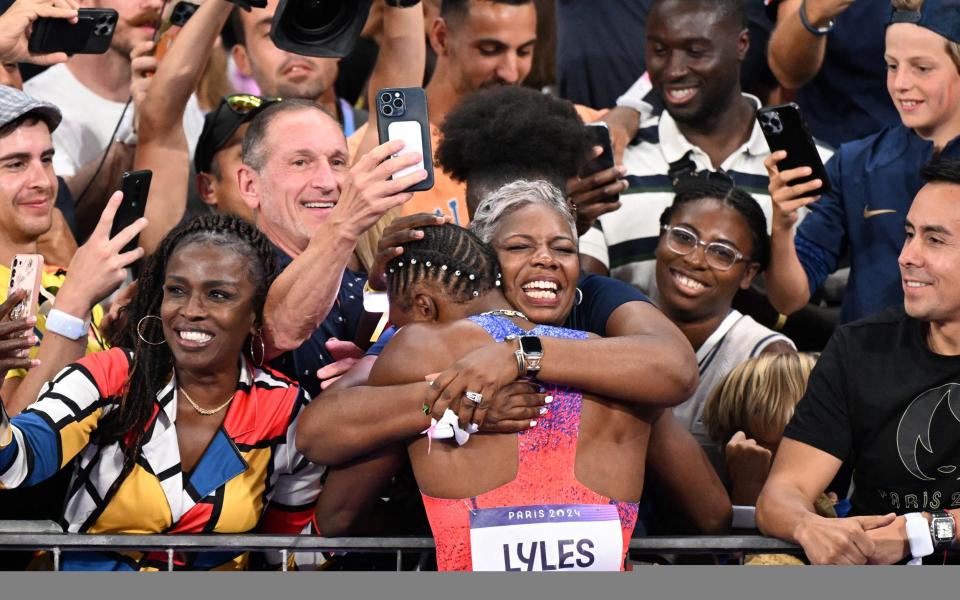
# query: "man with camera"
283,74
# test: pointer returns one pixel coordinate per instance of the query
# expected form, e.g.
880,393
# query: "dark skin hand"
596,194
15,337
612,439
401,231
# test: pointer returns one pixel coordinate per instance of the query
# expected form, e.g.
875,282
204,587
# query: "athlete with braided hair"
177,429
559,495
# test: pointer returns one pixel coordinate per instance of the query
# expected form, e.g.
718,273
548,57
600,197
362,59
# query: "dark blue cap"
939,16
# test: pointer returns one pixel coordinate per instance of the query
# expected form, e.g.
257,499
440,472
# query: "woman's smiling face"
207,308
689,288
539,262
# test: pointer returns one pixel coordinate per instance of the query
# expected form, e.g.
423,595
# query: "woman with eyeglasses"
713,242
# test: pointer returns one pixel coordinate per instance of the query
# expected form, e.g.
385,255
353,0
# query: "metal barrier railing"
46,536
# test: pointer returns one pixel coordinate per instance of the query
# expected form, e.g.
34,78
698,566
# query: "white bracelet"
918,534
66,325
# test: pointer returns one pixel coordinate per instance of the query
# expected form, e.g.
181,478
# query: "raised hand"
595,195
99,267
370,192
17,23
401,231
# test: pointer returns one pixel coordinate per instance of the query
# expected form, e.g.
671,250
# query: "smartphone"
402,115
599,135
181,13
91,34
785,129
135,186
25,273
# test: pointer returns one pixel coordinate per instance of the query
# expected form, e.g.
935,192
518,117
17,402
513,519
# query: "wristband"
66,325
918,534
375,301
401,3
818,31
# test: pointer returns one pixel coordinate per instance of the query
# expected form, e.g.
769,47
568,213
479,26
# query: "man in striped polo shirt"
701,120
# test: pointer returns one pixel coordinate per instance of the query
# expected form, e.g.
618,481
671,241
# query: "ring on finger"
475,397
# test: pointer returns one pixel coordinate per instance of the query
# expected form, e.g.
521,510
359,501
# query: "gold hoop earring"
263,348
143,338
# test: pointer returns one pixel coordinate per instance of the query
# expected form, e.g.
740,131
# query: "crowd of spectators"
534,360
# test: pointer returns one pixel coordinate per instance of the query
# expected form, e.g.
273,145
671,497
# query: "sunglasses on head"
244,103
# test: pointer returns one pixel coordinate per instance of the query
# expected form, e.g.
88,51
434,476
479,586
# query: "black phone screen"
135,186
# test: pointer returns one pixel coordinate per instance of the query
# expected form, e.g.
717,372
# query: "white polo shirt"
625,240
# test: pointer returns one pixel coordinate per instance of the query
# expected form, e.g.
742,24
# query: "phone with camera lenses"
26,271
181,13
91,34
784,129
402,115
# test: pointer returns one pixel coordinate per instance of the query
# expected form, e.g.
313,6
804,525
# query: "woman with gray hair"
516,195
531,228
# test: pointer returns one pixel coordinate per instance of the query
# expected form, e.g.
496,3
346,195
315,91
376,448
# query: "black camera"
326,28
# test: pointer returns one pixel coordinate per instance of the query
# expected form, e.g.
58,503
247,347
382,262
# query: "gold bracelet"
781,321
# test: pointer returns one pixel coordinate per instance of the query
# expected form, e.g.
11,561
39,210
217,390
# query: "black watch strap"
401,3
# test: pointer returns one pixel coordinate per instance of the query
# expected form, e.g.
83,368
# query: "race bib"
548,537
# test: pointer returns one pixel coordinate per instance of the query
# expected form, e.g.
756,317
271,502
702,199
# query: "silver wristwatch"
943,529
531,350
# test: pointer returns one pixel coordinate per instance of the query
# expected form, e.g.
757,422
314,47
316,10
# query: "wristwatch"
530,354
943,529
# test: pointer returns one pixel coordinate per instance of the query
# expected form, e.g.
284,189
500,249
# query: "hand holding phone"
26,271
402,114
784,129
599,134
135,186
17,22
91,34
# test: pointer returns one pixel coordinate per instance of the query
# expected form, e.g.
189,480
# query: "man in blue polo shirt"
313,207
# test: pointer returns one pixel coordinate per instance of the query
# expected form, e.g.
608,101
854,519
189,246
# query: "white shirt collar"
674,145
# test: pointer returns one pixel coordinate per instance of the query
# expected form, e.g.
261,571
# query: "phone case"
402,114
182,12
90,35
135,186
25,273
784,129
599,135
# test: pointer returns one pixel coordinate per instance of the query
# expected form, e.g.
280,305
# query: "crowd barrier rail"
43,535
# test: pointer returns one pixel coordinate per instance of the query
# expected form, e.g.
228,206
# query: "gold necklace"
202,410
506,313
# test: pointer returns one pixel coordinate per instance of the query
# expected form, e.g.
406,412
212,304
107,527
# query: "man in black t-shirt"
885,395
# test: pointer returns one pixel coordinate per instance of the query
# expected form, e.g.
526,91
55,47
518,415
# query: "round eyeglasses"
718,255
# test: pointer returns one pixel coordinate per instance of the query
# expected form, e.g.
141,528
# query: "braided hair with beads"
450,255
152,366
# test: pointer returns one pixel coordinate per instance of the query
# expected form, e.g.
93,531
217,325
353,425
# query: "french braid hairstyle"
450,255
152,366
693,188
